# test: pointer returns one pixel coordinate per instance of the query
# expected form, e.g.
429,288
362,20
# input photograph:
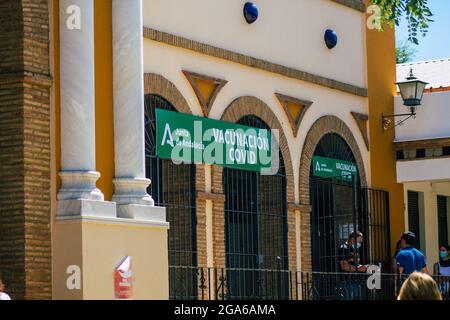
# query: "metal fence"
221,284
264,284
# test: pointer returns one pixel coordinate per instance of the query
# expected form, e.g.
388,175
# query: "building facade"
110,66
422,158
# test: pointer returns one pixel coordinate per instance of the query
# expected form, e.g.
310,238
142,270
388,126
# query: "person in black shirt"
349,262
349,255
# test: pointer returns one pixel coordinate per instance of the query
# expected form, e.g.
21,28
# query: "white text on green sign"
191,139
334,168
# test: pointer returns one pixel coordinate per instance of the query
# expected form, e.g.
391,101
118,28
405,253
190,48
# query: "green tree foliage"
404,52
416,12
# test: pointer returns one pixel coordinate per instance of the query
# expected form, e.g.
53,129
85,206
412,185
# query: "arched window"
333,216
173,187
255,229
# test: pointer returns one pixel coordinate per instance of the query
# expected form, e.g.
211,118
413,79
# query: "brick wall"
218,218
292,240
25,240
201,217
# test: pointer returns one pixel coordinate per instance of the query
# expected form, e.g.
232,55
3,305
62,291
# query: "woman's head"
419,286
444,252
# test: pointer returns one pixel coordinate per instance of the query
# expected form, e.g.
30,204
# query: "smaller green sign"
334,168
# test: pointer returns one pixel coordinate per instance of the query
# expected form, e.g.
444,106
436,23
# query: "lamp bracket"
388,123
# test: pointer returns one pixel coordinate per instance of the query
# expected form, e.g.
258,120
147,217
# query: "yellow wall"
98,247
67,251
104,119
381,83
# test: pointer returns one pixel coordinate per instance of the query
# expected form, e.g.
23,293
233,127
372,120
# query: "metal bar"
397,115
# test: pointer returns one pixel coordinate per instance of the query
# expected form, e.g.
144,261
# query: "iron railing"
214,284
358,286
347,286
265,284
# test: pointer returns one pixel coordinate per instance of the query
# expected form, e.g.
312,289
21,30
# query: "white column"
128,86
78,194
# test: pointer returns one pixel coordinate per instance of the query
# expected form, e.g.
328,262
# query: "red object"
123,284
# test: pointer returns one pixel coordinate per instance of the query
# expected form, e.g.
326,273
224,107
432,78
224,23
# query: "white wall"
423,170
288,32
430,219
432,121
246,81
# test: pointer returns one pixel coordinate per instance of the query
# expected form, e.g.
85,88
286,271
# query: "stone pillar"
128,85
78,194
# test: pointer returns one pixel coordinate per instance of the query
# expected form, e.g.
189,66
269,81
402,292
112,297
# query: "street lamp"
411,91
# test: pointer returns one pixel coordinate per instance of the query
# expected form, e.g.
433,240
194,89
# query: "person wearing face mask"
349,262
442,269
349,254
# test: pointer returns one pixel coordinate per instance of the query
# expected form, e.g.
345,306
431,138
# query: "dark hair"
355,235
409,237
446,246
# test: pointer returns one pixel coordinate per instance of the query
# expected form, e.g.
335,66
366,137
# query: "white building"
423,157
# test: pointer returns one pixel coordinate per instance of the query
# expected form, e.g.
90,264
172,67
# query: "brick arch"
323,126
157,84
248,105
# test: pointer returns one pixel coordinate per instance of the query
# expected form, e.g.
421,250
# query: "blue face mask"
357,245
443,254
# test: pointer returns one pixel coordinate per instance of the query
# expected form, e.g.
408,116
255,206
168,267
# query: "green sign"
185,138
333,168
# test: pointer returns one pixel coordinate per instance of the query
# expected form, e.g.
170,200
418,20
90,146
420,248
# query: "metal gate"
173,187
255,231
341,207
